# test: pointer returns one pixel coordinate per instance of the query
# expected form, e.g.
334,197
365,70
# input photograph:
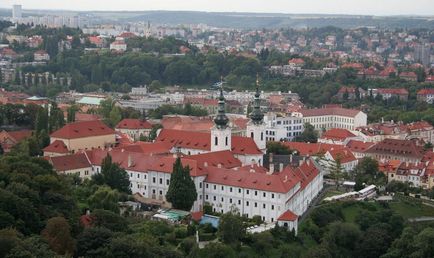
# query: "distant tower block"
16,12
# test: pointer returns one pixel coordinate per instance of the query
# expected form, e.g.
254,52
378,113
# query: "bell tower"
256,125
221,135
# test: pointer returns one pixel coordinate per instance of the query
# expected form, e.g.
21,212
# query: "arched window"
226,141
262,136
251,135
216,141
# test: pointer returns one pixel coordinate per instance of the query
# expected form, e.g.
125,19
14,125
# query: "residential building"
41,55
11,138
394,149
280,128
84,135
135,128
333,117
426,95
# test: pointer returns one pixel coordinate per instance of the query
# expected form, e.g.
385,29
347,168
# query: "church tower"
256,125
221,133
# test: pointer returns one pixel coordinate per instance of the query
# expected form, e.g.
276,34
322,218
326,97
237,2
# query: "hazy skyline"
366,7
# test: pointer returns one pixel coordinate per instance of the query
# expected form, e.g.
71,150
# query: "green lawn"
412,210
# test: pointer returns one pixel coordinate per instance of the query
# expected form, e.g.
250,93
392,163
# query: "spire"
221,120
256,116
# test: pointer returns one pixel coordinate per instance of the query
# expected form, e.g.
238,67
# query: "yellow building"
85,135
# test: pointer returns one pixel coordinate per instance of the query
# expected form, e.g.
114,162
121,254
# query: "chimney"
219,165
280,167
271,168
205,164
122,150
130,160
300,162
286,178
308,162
290,158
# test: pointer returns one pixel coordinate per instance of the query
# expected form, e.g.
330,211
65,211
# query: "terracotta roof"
186,139
345,155
397,91
296,61
82,129
41,52
86,117
347,89
197,216
359,146
202,141
128,160
397,147
287,216
57,146
408,74
244,145
278,182
249,180
148,147
201,101
329,111
337,134
20,135
133,124
426,92
224,159
187,123
306,149
70,162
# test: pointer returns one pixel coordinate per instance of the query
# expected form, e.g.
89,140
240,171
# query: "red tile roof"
133,124
344,155
306,149
70,162
197,216
86,117
225,159
397,147
83,129
148,147
202,141
187,123
20,135
186,139
337,134
329,111
57,146
359,146
426,92
397,91
287,216
408,74
296,61
278,182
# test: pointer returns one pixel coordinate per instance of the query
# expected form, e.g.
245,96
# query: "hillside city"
135,139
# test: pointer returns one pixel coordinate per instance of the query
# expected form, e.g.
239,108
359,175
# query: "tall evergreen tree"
113,175
182,190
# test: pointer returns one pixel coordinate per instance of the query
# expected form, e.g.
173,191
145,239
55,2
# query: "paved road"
314,203
421,219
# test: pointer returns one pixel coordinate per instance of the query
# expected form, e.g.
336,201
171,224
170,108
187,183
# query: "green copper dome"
221,120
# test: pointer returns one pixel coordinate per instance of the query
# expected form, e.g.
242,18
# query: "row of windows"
247,203
289,122
247,191
330,119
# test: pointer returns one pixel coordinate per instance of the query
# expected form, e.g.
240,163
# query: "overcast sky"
370,7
